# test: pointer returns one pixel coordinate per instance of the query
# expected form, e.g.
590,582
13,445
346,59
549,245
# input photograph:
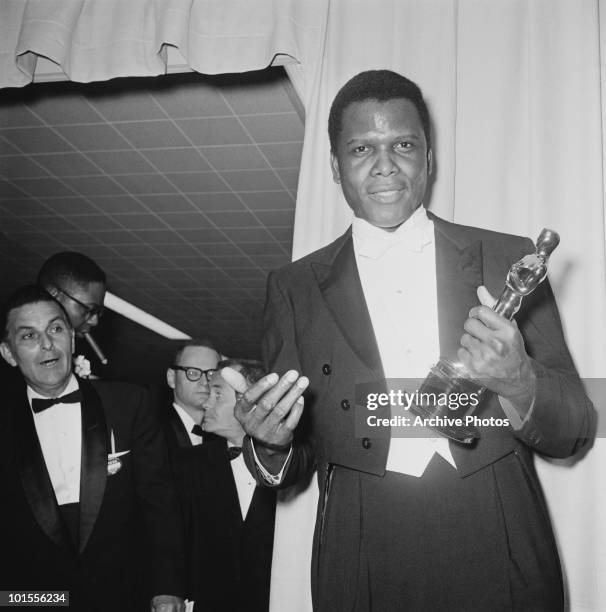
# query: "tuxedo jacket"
317,322
229,559
130,537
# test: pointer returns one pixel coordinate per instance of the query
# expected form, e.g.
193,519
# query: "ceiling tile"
15,114
191,262
218,248
96,223
283,154
195,236
64,108
248,234
20,166
289,176
281,234
24,207
36,140
180,250
197,182
98,251
257,92
233,219
93,137
152,134
241,157
166,202
158,237
274,128
66,164
255,180
216,201
272,262
93,185
276,218
117,204
10,223
186,220
52,224
6,148
144,184
232,261
126,104
215,131
143,221
187,96
177,160
262,248
69,205
75,239
269,200
120,162
9,191
50,187
135,250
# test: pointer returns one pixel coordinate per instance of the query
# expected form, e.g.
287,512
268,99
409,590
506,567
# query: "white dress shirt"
245,483
59,430
188,423
398,276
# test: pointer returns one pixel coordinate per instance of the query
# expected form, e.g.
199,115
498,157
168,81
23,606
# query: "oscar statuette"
450,379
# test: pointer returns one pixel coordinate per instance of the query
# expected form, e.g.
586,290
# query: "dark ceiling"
181,187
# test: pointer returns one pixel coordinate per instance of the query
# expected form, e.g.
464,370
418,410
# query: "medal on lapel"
114,463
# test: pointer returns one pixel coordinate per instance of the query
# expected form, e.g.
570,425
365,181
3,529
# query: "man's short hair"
201,342
29,294
69,267
380,85
251,369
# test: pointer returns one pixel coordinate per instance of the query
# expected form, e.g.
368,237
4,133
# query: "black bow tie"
39,404
197,430
233,452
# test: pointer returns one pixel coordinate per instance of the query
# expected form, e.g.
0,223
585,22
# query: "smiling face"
382,161
40,343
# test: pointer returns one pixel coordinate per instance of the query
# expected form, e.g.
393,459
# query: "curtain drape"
96,40
515,92
516,89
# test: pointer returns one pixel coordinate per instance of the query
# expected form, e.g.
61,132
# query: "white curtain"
515,90
96,40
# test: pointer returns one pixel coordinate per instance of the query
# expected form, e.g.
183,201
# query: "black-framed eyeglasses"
89,311
195,374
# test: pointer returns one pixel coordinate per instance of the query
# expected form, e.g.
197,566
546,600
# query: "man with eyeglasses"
78,284
192,368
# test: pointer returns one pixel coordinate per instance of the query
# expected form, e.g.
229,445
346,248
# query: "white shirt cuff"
269,478
515,420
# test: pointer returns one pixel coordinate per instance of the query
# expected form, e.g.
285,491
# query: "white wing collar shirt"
59,430
398,276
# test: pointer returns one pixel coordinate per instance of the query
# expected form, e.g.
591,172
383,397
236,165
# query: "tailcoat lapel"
93,471
458,275
341,289
36,482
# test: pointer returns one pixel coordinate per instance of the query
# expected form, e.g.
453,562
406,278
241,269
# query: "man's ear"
334,166
7,355
73,341
170,378
429,162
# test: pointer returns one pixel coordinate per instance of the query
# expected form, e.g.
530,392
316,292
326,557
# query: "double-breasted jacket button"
366,443
345,404
326,369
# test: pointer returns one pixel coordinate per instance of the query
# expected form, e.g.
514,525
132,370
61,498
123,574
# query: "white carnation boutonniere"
82,366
